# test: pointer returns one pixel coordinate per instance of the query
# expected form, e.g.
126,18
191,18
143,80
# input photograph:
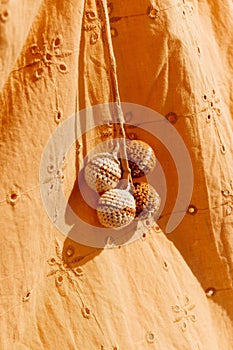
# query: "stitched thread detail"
49,55
184,314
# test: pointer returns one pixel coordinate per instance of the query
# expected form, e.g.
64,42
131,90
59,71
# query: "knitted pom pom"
116,208
103,172
147,200
141,158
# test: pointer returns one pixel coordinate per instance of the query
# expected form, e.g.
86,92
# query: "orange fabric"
57,58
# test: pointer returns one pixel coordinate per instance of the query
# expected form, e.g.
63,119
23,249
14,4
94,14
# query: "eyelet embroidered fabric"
56,293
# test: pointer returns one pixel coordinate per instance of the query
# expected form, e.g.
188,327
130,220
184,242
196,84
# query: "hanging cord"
119,130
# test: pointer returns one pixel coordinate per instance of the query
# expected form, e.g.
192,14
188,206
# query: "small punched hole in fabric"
58,41
210,292
13,198
58,116
114,32
152,12
5,15
70,251
192,210
62,67
143,236
150,337
86,312
27,296
223,149
172,117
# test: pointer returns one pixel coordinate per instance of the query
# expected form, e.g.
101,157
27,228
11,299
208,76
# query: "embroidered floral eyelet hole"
208,118
34,49
204,97
86,312
213,92
210,292
114,32
192,210
39,73
27,296
165,265
229,210
172,117
62,67
90,15
223,149
48,56
94,38
70,251
198,50
50,168
152,12
58,41
5,15
13,198
157,228
226,193
143,236
176,308
184,326
58,116
150,337
59,280
193,318
52,261
78,271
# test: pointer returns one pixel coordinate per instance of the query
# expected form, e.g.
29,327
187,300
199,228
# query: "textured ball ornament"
103,172
116,208
147,200
141,158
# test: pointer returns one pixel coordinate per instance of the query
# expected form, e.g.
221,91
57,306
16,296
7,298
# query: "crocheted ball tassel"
147,200
103,172
141,158
116,208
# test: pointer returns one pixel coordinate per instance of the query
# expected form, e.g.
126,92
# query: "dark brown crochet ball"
147,200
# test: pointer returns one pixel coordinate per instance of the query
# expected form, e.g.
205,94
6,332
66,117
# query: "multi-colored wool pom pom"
103,172
116,208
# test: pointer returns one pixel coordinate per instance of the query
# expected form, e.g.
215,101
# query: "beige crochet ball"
147,200
116,208
141,158
103,172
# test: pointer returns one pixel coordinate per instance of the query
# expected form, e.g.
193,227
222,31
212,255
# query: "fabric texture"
161,291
